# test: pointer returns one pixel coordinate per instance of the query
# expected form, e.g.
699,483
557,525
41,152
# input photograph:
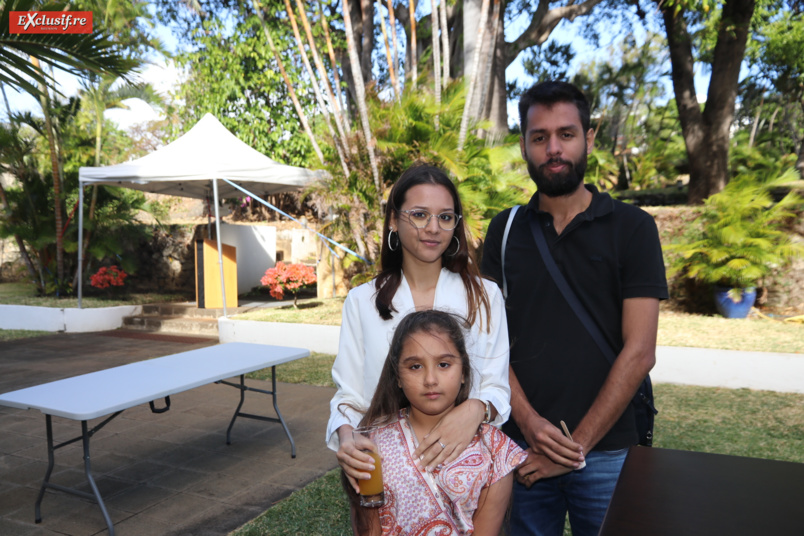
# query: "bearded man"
610,256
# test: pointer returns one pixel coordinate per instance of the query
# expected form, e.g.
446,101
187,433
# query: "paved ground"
165,474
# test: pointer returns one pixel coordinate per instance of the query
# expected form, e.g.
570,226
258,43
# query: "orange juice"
373,486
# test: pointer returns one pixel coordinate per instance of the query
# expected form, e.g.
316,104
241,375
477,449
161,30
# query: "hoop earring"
390,234
457,249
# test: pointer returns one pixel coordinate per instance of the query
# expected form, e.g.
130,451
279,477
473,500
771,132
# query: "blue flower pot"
729,308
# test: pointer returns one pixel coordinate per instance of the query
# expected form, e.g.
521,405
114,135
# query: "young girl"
425,264
426,374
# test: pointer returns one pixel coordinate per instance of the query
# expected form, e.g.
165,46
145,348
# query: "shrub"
288,278
108,276
742,237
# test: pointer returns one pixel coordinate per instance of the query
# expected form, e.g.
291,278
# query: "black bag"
644,409
644,412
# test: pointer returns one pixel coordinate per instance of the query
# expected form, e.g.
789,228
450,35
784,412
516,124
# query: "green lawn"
759,424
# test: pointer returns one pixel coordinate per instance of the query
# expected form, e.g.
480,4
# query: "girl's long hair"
390,276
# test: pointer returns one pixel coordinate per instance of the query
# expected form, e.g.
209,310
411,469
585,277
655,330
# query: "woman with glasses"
424,264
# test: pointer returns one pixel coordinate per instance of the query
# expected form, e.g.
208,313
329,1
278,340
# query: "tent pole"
220,246
80,242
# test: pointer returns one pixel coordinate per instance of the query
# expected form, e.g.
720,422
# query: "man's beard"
560,184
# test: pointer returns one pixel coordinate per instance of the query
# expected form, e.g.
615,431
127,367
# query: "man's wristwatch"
487,416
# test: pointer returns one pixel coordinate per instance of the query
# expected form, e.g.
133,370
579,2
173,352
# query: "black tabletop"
681,493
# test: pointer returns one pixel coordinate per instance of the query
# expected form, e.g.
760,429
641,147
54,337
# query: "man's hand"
537,467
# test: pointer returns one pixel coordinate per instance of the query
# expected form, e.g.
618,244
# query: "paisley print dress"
443,502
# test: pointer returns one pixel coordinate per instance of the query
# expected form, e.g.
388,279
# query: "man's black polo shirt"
608,253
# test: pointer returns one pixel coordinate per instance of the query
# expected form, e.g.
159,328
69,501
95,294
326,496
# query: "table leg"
88,472
50,463
86,434
243,388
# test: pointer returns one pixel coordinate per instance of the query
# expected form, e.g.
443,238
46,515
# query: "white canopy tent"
191,167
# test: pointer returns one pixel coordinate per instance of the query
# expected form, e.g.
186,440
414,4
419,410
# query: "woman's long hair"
390,276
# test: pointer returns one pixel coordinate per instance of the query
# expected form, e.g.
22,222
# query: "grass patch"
14,334
319,508
25,294
748,334
325,312
313,370
740,422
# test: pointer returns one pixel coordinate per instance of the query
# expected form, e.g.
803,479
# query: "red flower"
108,276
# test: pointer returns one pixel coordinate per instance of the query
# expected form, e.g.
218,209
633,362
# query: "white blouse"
365,339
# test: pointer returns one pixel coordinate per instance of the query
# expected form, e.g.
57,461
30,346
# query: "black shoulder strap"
567,292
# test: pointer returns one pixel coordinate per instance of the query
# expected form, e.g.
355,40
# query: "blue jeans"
585,494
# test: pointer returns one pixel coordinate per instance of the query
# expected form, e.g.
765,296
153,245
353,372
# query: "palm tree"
98,93
21,59
436,56
72,53
360,91
414,60
484,12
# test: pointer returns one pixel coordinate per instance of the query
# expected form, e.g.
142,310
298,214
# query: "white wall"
323,339
256,252
70,320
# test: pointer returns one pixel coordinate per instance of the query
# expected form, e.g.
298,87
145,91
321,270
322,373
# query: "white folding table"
111,391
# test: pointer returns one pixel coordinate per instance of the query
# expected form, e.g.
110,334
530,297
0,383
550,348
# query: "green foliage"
740,235
488,178
233,75
30,214
602,169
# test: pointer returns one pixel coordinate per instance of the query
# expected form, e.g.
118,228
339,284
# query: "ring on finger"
443,446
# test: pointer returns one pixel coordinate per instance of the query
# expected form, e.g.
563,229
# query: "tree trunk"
54,162
488,61
414,56
444,41
394,40
706,134
472,81
333,60
322,73
360,91
286,78
316,89
367,37
436,57
389,57
800,160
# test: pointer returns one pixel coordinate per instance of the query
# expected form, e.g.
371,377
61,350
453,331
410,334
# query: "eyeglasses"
421,219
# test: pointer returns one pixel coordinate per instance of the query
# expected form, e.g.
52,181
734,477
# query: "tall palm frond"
71,53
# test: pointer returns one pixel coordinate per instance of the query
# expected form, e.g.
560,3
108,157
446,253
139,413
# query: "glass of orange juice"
371,490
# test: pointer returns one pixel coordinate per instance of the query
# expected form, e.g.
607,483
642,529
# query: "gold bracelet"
487,416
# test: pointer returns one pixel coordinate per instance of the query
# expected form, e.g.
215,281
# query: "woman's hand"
448,439
354,462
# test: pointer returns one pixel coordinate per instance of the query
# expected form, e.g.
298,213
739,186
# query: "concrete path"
729,368
165,474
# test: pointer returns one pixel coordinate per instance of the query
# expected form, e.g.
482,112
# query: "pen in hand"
569,436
